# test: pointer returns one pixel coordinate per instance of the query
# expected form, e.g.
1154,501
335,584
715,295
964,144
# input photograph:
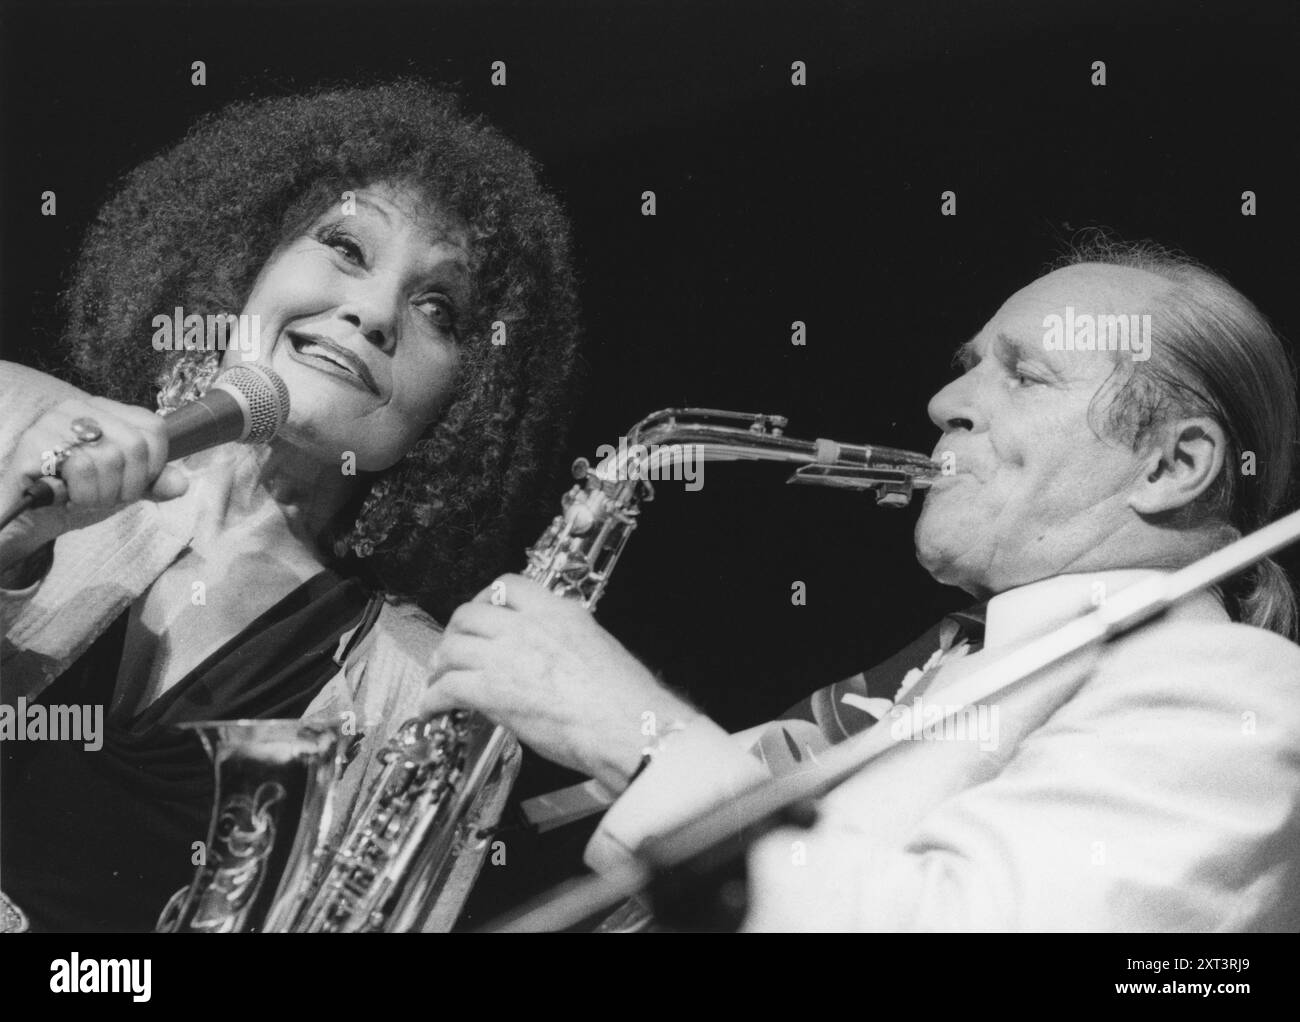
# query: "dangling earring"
185,380
372,524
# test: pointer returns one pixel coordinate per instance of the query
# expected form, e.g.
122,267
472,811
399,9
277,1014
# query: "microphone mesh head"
264,393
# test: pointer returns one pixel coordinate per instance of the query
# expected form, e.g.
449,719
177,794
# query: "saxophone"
423,829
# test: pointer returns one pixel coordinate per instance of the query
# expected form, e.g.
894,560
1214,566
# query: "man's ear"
1182,465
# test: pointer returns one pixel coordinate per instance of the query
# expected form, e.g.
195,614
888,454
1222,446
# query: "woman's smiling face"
360,315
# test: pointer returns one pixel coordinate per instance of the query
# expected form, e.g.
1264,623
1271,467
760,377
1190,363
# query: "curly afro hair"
194,226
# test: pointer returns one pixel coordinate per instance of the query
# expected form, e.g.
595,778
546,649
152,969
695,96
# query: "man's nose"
954,406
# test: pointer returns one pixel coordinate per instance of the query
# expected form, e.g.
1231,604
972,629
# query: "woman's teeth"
312,348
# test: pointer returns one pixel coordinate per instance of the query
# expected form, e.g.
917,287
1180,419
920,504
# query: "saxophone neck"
701,435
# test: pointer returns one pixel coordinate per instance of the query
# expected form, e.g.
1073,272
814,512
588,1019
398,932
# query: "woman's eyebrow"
453,276
364,201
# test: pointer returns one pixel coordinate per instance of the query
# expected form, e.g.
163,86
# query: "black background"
775,203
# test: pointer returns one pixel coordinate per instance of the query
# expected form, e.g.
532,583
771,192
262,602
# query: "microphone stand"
685,866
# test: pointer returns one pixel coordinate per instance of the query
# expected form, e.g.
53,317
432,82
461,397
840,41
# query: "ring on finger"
60,453
86,430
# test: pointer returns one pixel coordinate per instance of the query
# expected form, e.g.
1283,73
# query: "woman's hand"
541,666
127,463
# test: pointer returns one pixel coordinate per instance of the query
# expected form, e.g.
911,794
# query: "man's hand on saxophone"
539,665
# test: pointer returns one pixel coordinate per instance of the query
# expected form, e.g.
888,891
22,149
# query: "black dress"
98,840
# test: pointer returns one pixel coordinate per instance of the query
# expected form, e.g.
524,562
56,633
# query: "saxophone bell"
272,808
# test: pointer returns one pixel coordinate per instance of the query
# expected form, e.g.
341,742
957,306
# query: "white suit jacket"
1153,785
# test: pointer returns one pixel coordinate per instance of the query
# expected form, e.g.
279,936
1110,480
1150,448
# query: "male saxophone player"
1153,784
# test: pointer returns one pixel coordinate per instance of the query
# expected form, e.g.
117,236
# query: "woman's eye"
439,311
344,244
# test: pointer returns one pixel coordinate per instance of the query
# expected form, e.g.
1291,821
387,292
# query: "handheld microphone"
247,404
